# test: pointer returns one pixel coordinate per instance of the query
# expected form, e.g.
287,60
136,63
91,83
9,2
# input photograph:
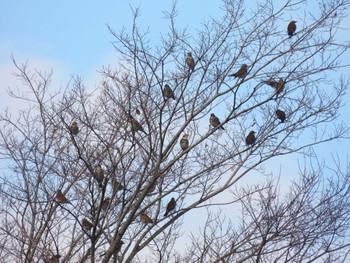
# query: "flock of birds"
184,143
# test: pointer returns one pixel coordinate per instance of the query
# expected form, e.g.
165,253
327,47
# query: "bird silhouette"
99,175
184,142
168,92
117,186
170,207
241,73
250,139
135,125
74,129
144,218
277,85
281,115
214,121
292,27
60,198
87,225
190,61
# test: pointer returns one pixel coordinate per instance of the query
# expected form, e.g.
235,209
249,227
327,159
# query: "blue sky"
71,37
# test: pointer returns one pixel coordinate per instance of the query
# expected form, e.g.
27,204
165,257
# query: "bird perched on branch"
277,85
184,142
241,73
170,207
60,198
74,129
168,92
116,185
135,125
99,175
292,27
190,61
281,115
250,139
105,203
87,225
144,218
214,121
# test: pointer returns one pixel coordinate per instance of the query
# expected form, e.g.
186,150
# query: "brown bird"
168,92
87,225
135,125
190,61
170,207
74,129
116,185
184,142
144,218
215,121
281,115
241,73
277,85
99,175
250,139
60,198
138,112
292,27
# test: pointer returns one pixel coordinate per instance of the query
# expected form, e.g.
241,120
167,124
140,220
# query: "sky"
71,38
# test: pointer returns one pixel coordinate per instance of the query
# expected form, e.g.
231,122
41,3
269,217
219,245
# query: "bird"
144,218
292,27
116,185
215,121
138,112
168,92
87,225
281,115
60,198
99,175
277,85
74,129
241,73
184,142
190,61
170,207
135,125
250,139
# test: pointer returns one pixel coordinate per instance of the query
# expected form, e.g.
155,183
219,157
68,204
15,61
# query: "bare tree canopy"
109,175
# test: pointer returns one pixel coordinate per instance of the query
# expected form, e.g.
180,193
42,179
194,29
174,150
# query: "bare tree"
91,174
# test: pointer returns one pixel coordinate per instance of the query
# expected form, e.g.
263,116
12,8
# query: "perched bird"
250,139
168,92
281,115
184,142
277,85
74,129
60,198
215,121
292,27
138,112
144,218
170,207
87,225
116,185
135,125
99,175
190,61
241,73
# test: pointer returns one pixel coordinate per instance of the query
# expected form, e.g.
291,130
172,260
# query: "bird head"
212,115
166,86
185,136
244,66
189,54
